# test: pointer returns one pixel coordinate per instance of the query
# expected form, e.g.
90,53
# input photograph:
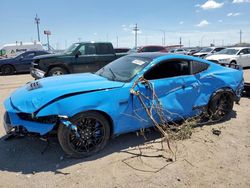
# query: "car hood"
219,56
47,56
34,95
5,60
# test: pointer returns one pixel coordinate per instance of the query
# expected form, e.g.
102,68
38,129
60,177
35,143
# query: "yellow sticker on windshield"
138,62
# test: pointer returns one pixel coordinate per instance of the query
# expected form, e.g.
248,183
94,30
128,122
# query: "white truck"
12,50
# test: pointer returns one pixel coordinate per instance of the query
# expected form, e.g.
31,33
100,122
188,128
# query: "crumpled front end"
15,120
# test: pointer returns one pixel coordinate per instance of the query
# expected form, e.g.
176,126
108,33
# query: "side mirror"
241,53
78,53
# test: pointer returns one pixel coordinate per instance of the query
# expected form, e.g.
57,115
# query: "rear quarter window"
197,67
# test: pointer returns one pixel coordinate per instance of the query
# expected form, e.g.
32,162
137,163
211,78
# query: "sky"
196,22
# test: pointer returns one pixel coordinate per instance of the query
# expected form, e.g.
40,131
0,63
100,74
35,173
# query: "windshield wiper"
114,76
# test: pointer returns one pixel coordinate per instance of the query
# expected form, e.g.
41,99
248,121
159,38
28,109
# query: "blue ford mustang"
87,109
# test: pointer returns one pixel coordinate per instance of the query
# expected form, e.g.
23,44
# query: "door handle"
195,85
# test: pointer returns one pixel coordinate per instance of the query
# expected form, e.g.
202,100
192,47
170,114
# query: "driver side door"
176,89
24,61
85,60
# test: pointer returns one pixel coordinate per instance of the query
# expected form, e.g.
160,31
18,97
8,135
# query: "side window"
104,49
87,49
168,69
245,51
90,49
82,49
29,55
197,67
156,49
218,49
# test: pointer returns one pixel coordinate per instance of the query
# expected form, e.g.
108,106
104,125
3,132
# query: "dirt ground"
205,160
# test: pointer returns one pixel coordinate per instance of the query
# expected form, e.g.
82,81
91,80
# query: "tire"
89,141
221,105
232,64
57,71
7,70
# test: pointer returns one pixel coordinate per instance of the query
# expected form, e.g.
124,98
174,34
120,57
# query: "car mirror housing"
78,53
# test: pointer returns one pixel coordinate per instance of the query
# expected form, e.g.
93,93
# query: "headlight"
224,60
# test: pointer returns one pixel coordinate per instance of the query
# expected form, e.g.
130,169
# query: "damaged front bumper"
7,124
14,119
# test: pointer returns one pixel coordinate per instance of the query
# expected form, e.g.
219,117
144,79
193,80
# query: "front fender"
110,101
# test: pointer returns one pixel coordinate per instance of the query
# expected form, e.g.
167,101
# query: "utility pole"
117,41
37,21
180,42
47,32
164,37
135,29
241,36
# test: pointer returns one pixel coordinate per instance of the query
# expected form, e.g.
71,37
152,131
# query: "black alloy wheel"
92,134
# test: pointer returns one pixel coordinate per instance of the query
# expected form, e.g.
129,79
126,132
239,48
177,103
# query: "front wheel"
57,71
232,64
220,105
91,136
7,70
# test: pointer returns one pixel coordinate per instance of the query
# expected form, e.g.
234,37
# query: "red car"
150,49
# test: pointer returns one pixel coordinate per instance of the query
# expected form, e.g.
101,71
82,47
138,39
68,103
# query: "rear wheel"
57,71
92,134
221,105
7,70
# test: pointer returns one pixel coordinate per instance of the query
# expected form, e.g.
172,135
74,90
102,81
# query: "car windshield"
229,51
123,69
206,50
71,48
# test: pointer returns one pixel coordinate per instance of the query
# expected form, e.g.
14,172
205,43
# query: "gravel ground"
205,160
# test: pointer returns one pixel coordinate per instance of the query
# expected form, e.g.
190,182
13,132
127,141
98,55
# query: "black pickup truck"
79,57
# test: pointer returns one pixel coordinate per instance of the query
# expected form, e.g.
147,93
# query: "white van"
12,50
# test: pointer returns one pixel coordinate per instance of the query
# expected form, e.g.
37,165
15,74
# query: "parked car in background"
151,48
122,50
178,51
20,63
12,50
192,51
87,109
208,51
232,56
79,57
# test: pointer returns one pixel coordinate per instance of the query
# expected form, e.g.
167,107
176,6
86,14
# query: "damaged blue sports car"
87,109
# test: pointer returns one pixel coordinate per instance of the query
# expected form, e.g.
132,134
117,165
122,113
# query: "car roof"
238,48
152,46
155,55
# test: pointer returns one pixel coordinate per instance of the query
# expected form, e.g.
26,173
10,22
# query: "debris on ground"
216,132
